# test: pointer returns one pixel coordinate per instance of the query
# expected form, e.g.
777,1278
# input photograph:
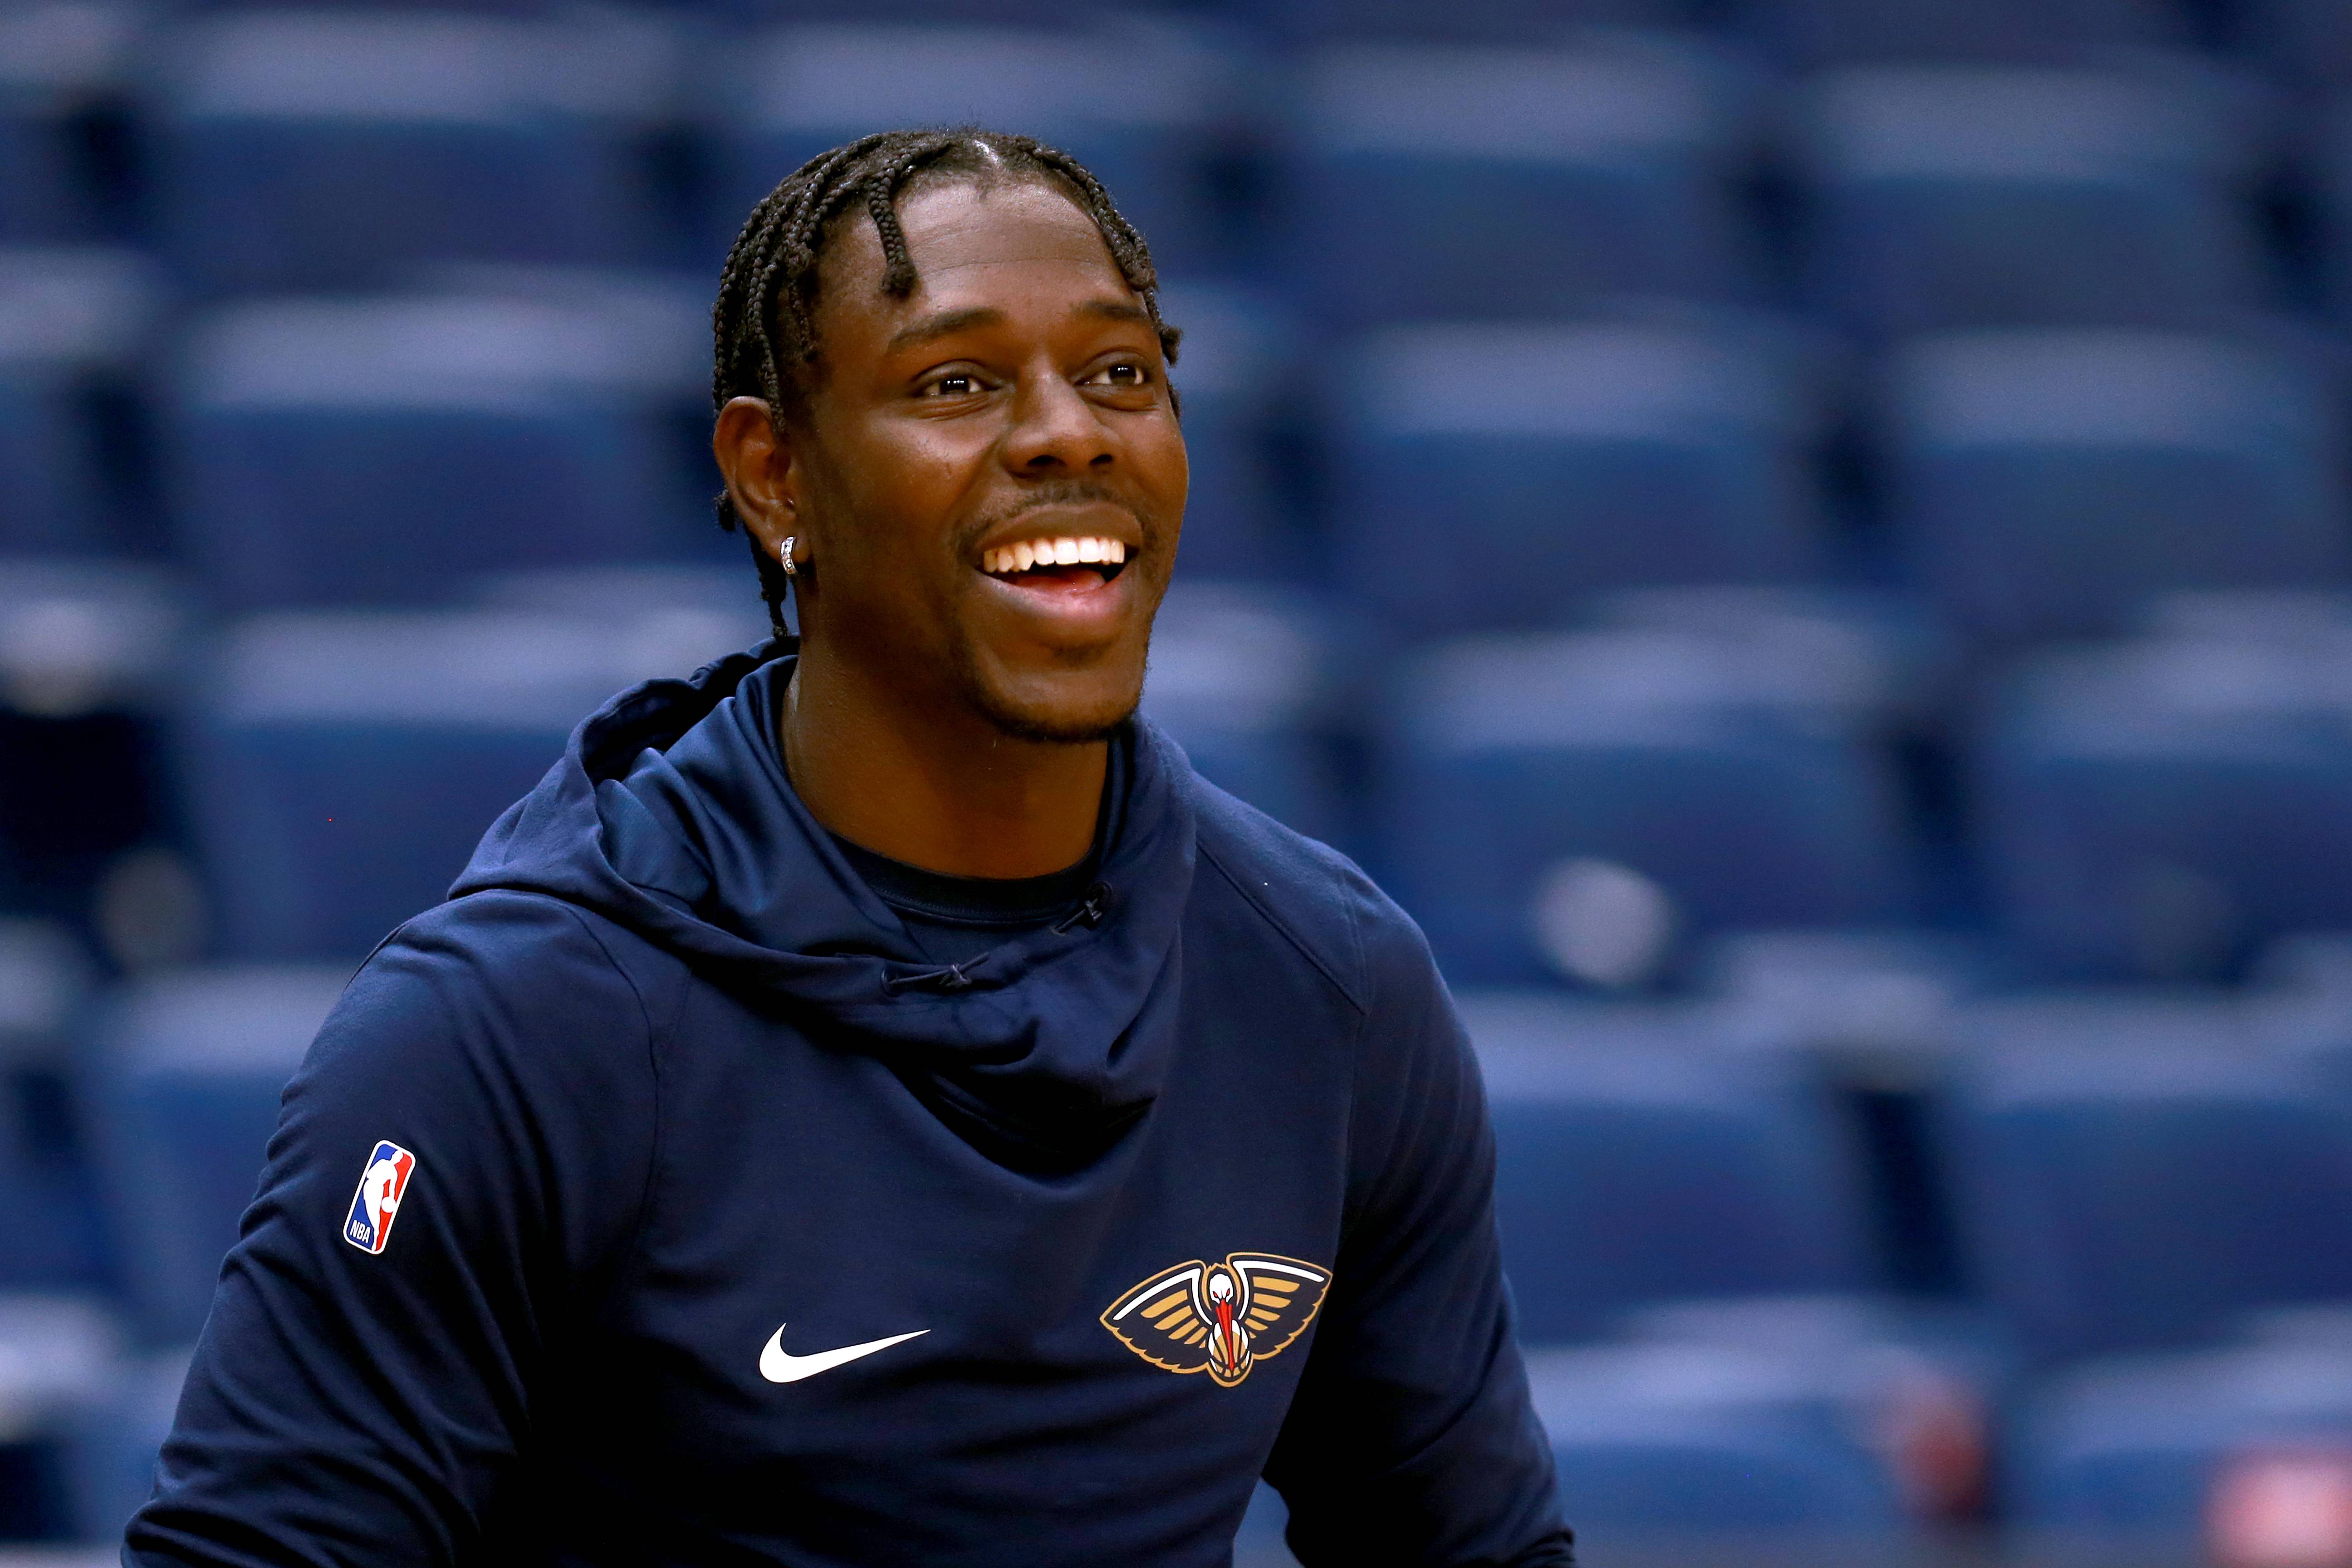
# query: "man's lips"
1077,597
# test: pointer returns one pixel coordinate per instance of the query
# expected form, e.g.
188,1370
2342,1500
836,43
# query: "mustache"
1053,492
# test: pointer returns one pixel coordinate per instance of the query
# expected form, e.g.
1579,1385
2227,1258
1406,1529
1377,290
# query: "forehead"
1007,243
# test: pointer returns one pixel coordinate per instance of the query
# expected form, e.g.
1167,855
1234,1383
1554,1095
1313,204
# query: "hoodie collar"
672,814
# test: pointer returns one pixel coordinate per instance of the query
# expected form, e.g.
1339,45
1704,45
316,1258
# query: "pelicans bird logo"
1219,1318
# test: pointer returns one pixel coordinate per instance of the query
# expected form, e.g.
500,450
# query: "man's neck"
941,788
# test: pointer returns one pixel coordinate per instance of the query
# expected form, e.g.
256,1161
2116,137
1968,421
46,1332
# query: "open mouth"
1063,563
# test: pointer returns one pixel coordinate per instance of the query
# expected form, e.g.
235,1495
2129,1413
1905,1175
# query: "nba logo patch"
377,1203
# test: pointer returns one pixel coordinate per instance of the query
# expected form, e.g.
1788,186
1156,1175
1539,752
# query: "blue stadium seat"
44,975
58,61
1479,21
1492,476
57,1365
1953,197
2308,42
2303,615
1641,1162
1240,679
2312,967
1710,1446
340,768
311,150
1137,106
1444,182
183,1074
2045,483
1579,805
670,619
51,1239
78,636
1236,374
1897,662
1816,32
658,322
2121,1187
2246,1453
349,451
115,1452
1880,997
1918,1377
2330,183
86,649
69,323
2155,811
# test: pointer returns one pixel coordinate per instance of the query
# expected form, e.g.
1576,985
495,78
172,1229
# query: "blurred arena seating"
1698,1441
1949,197
465,435
2160,808
182,1073
1487,473
795,92
1806,542
2134,1174
1482,181
1567,806
306,150
1638,1163
2238,1451
342,767
2046,483
1836,31
70,319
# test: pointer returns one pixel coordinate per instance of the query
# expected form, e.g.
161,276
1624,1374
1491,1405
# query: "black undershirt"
953,918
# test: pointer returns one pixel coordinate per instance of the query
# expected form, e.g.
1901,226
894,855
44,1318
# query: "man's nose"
1055,429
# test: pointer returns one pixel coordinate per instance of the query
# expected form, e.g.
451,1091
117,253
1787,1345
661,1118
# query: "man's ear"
763,478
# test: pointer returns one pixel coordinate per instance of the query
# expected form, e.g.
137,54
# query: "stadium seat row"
2035,483
339,150
1588,806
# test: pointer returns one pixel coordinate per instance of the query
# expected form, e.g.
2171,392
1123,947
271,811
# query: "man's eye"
1126,377
956,385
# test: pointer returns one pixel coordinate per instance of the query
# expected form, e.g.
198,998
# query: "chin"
1057,709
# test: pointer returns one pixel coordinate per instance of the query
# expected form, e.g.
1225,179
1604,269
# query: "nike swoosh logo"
778,1367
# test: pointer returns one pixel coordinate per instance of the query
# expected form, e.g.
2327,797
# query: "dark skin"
943,716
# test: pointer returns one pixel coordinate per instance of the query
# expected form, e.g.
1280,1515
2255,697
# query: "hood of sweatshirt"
671,815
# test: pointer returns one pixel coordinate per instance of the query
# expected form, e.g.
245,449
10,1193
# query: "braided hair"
763,328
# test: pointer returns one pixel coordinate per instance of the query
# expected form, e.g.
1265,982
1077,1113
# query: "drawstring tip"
1090,912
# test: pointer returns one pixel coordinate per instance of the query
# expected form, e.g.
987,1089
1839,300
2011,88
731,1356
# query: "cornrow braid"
763,328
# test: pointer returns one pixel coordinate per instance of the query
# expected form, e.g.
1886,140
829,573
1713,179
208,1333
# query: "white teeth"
1094,550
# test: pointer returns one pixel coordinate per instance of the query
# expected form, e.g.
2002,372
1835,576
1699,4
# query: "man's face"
1014,405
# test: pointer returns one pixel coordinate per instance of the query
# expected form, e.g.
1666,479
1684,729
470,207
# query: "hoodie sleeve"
1412,1438
355,1407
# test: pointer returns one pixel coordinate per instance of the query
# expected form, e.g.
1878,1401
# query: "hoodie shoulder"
520,948
1315,897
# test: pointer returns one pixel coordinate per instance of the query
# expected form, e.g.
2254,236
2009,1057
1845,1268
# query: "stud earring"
785,555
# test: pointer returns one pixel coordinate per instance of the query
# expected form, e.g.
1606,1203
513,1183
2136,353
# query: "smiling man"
873,1104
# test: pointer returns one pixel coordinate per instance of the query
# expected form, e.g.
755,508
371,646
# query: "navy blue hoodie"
719,1225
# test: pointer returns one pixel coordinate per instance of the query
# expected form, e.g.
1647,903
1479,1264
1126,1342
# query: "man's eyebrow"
947,323
938,326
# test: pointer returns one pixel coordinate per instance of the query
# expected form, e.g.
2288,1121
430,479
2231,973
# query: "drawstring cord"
1092,907
954,977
